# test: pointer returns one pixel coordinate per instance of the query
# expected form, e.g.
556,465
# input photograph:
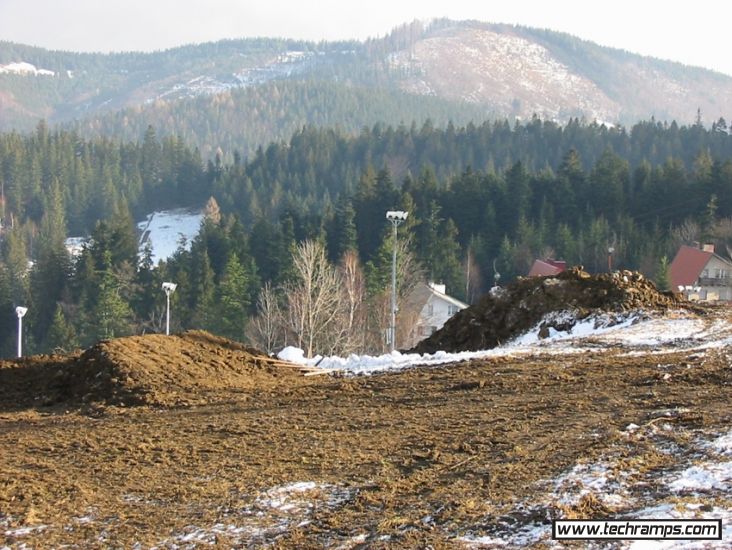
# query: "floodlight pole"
169,288
396,217
167,314
20,311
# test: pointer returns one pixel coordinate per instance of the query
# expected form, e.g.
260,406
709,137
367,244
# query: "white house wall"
434,318
716,268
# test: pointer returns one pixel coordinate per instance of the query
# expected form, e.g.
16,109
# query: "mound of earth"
557,302
191,368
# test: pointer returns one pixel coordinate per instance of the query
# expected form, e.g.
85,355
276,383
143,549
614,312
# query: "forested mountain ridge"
238,94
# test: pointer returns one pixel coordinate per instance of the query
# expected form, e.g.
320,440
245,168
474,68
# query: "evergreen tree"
51,271
61,335
663,280
111,315
342,236
233,300
204,312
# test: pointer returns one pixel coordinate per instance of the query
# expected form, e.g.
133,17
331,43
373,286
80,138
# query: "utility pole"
169,288
396,217
20,311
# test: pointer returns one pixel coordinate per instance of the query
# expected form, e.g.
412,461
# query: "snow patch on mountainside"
23,68
284,65
507,71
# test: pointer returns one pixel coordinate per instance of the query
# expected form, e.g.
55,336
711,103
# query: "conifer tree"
111,315
663,280
233,300
204,314
61,335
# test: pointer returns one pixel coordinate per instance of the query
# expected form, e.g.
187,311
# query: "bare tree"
313,299
353,314
688,233
473,280
265,330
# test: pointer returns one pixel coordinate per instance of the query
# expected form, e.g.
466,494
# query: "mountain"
238,94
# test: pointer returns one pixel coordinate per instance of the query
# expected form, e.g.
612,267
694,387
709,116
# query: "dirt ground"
428,457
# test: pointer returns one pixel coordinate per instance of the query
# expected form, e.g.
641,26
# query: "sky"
693,33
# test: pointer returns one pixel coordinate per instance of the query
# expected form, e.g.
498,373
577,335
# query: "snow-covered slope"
166,230
508,72
23,68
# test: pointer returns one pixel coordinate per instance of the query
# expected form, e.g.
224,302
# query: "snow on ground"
394,361
166,229
75,245
271,514
636,332
697,485
692,488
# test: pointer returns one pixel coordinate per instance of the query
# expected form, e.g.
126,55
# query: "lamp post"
20,311
396,217
169,288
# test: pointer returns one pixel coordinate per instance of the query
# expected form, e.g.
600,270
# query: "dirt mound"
191,368
506,313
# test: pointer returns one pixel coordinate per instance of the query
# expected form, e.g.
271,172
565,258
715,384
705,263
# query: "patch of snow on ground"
712,474
723,444
629,330
521,538
683,491
655,332
394,361
166,229
704,477
594,479
270,515
595,325
22,531
691,511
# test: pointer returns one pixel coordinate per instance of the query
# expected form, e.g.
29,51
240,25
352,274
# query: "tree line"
308,215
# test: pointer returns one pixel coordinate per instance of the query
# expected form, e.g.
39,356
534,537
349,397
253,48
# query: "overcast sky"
695,33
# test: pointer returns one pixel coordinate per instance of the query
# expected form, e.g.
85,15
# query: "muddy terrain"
191,441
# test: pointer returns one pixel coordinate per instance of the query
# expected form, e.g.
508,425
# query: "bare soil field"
189,441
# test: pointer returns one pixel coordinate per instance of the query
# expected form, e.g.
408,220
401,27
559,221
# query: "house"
701,274
541,268
427,308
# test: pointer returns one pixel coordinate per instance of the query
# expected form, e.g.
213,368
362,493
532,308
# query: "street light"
396,217
20,311
169,288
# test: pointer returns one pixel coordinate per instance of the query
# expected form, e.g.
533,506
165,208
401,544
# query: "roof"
423,292
542,268
442,296
688,265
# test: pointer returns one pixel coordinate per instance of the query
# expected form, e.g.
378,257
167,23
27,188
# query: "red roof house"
542,268
701,274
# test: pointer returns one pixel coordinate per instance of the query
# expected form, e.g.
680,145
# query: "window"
430,309
452,310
